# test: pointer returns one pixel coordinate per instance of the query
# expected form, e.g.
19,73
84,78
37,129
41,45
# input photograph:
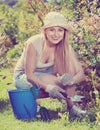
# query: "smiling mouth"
55,38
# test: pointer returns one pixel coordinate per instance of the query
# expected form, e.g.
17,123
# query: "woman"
48,65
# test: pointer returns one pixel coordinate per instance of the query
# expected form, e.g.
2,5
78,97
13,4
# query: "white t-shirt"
37,42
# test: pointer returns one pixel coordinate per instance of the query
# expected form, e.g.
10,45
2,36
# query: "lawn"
59,117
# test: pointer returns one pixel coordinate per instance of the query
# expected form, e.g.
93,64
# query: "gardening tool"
76,98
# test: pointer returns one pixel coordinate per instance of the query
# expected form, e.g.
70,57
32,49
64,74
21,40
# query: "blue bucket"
23,104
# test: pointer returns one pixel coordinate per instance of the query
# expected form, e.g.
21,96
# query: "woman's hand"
55,91
66,79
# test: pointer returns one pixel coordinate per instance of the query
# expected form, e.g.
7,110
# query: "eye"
61,30
51,29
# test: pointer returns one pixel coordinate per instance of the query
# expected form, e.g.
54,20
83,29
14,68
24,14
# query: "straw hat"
55,19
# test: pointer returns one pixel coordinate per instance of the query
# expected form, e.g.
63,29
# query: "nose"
56,33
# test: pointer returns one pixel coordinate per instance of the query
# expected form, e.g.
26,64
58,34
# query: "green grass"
9,122
6,82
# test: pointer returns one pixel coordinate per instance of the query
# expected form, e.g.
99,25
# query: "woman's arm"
78,77
30,66
76,67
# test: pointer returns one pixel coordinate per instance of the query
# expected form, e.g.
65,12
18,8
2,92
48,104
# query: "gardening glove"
55,91
66,79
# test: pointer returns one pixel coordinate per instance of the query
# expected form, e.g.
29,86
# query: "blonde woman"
47,55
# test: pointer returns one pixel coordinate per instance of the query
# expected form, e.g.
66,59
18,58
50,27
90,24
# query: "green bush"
13,53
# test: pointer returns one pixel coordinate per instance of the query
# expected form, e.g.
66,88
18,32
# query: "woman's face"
54,34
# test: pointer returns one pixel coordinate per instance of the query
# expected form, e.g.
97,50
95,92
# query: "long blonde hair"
60,64
65,57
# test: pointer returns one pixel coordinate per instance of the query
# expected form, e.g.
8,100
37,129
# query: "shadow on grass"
44,116
4,104
47,115
54,114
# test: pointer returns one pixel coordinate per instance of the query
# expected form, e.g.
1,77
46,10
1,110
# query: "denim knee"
21,82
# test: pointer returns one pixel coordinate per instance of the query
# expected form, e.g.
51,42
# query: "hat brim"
52,25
